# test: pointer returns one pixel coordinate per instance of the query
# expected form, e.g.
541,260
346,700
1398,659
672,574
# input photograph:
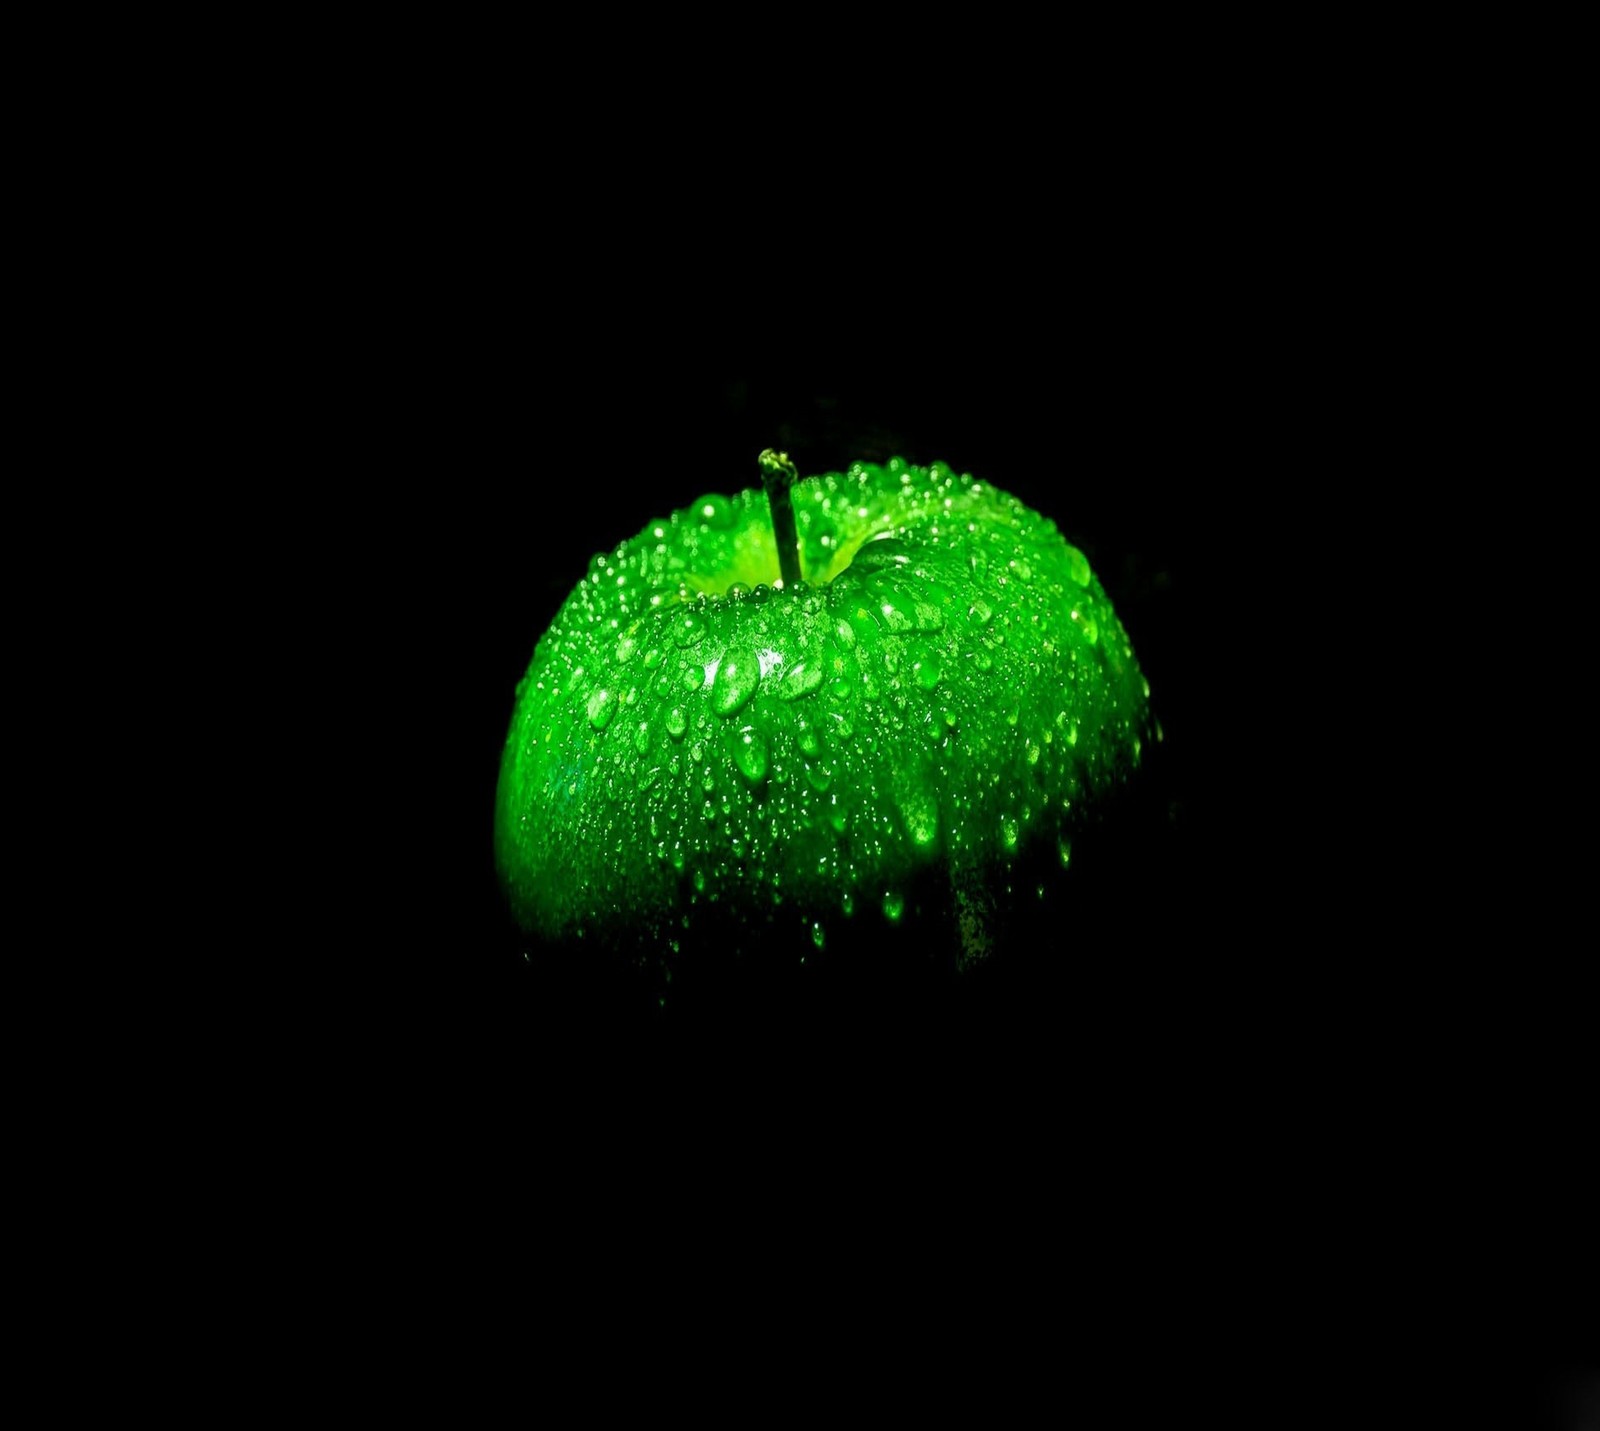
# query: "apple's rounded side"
948,688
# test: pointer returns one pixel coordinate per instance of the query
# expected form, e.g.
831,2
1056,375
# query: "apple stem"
778,474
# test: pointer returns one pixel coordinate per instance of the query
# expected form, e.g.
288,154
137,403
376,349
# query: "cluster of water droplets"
947,683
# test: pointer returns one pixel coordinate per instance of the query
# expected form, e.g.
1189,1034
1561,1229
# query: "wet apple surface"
945,692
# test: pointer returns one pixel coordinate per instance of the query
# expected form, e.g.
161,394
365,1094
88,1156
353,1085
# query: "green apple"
938,688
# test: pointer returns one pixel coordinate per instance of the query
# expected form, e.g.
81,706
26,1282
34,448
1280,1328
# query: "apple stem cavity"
778,474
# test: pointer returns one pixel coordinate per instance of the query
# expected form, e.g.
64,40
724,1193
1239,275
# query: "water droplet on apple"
697,752
927,668
1064,851
901,606
1009,831
677,722
894,905
896,610
601,708
802,677
652,658
818,936
750,755
687,628
714,511
806,737
641,739
919,808
862,620
847,903
736,680
883,552
982,660
819,775
1013,715
1033,752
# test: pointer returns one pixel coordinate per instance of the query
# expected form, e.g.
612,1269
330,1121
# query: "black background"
1309,1131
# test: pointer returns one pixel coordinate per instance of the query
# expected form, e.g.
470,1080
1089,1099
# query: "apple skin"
947,690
